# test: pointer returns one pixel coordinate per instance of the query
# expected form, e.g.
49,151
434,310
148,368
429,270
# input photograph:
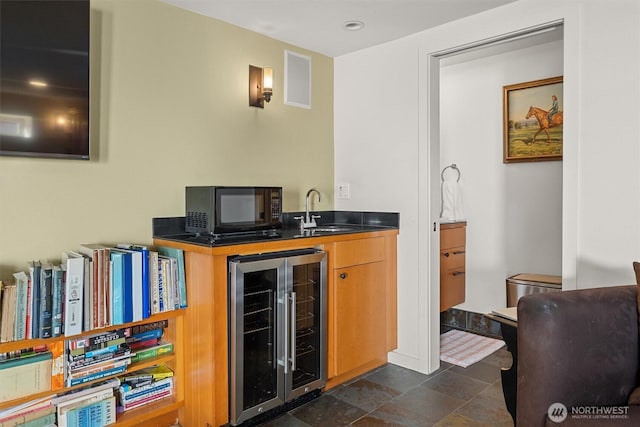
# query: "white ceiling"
317,25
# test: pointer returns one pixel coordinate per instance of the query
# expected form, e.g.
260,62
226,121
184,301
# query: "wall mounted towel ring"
452,166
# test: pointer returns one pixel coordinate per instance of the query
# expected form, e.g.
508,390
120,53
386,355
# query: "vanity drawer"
361,251
452,235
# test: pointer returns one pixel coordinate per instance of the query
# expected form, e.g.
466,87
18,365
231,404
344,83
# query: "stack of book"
146,341
144,386
90,406
35,413
96,357
24,372
98,286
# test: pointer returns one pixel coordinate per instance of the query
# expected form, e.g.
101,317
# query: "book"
46,301
118,278
57,364
100,340
73,292
136,283
56,301
127,393
135,330
167,283
96,375
9,297
79,401
152,373
154,282
147,399
34,276
25,360
23,408
100,413
98,352
20,325
145,336
77,394
163,347
26,379
83,362
100,308
145,276
46,420
178,255
107,365
29,414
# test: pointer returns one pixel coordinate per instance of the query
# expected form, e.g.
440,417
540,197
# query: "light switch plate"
342,191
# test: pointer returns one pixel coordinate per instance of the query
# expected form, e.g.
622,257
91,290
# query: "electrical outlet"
342,191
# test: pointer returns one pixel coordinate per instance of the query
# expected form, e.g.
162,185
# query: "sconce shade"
260,85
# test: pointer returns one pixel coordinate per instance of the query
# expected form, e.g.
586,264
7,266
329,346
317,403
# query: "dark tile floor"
391,395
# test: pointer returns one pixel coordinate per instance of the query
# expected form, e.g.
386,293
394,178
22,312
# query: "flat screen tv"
44,78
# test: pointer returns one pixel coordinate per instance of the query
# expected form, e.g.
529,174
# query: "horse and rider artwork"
533,119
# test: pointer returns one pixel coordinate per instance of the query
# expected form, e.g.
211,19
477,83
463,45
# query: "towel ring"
454,167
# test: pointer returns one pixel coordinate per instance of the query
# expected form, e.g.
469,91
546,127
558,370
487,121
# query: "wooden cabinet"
362,306
361,313
452,264
161,413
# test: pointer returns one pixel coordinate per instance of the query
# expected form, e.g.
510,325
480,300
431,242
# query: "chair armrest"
576,348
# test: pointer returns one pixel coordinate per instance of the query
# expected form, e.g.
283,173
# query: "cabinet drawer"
361,251
452,288
452,237
452,258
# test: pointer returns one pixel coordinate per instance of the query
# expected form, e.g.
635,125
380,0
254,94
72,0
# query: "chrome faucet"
309,220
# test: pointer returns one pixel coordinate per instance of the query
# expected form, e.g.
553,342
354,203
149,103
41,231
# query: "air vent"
196,221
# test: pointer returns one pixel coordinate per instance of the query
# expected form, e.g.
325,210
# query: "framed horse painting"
532,114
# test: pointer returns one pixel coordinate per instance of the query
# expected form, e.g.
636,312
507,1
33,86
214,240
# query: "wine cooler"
277,329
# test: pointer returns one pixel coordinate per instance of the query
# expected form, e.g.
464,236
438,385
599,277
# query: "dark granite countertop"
330,223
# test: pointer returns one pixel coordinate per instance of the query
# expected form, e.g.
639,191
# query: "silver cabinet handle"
343,275
293,331
458,273
286,333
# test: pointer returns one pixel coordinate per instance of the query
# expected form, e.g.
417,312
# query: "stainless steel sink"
334,228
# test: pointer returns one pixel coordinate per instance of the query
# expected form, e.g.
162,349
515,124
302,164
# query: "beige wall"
169,109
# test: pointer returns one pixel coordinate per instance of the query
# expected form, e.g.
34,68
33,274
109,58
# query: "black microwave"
218,210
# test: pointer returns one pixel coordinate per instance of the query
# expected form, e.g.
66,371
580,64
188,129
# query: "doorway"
466,129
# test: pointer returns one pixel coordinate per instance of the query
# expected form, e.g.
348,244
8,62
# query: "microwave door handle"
293,331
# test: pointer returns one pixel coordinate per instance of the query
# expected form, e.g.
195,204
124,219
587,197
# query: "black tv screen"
44,78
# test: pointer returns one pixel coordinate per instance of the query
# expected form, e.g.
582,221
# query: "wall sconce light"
260,85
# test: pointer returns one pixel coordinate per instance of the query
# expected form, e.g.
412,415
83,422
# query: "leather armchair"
578,348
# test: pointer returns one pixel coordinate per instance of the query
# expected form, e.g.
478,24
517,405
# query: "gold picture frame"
531,133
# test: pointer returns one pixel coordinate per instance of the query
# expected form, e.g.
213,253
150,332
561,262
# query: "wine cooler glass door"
307,324
256,384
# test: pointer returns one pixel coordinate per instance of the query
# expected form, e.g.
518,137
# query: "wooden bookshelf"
162,412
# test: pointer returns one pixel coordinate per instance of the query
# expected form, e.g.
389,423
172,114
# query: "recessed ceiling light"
353,25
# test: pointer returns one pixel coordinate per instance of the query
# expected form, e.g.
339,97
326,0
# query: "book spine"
97,352
35,274
147,399
30,414
106,296
28,319
46,302
146,283
96,376
43,421
145,336
73,294
156,351
20,327
85,350
57,364
108,366
99,340
128,392
86,362
154,282
138,329
56,301
87,294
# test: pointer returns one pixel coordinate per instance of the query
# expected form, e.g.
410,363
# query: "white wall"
382,146
513,211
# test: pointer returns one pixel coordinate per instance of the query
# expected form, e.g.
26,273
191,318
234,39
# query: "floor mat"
464,348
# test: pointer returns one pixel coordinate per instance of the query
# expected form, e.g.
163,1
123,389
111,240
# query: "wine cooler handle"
293,331
275,347
286,333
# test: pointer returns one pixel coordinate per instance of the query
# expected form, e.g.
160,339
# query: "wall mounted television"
44,78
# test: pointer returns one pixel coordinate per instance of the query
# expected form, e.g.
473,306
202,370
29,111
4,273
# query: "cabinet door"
359,315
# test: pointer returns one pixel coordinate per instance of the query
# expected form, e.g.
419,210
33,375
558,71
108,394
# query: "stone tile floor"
392,395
